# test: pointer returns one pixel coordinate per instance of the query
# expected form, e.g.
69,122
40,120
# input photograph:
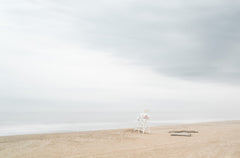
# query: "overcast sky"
169,56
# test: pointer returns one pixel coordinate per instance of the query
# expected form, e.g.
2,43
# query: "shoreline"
215,140
107,129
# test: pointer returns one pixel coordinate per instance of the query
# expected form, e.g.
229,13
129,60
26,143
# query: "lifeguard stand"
143,122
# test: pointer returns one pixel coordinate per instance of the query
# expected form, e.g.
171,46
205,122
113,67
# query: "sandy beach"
214,140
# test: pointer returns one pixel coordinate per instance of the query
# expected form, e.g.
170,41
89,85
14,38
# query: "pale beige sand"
214,140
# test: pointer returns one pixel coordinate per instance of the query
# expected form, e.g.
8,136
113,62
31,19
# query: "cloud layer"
186,39
126,54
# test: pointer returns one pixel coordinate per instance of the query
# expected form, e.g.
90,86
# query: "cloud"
119,54
185,39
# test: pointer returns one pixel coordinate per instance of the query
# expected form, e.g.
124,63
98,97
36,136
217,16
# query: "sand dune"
214,140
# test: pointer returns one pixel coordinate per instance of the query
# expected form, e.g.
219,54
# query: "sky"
180,56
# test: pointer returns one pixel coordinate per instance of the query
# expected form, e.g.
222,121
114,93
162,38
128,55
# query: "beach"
213,140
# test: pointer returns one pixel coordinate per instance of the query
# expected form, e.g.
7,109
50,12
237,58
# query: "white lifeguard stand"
143,122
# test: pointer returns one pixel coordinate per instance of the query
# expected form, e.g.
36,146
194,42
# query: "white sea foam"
58,128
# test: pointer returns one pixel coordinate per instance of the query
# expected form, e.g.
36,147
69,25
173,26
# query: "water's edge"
10,130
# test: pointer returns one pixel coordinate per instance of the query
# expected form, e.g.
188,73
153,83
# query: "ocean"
19,123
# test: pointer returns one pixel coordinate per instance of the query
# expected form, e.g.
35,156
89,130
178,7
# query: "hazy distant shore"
215,140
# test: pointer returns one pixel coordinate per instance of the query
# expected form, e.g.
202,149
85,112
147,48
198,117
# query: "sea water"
19,123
